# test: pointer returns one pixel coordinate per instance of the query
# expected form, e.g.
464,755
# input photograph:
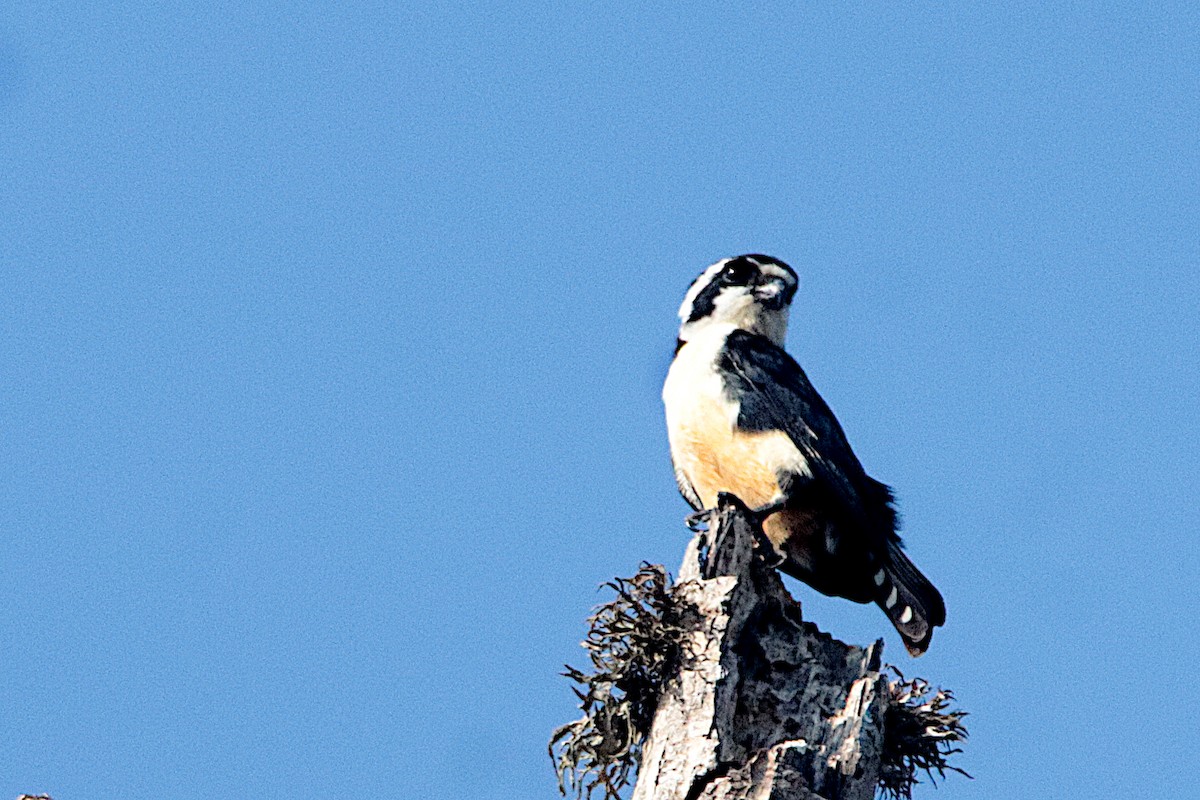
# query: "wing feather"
775,394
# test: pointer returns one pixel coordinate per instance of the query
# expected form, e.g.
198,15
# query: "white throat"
739,310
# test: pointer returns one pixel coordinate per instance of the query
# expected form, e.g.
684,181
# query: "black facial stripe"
706,301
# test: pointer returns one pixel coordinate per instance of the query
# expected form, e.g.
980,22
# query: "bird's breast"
707,446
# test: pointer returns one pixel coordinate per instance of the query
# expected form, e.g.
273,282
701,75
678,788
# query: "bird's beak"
772,294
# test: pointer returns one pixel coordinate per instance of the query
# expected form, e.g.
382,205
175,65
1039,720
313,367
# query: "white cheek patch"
734,303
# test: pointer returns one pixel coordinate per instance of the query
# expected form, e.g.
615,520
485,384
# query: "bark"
764,706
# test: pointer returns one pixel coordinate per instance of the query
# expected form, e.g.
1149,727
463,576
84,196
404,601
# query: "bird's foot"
765,548
701,520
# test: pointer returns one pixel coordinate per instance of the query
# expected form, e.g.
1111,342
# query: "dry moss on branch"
633,643
920,734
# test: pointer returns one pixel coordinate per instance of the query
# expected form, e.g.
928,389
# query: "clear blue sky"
333,338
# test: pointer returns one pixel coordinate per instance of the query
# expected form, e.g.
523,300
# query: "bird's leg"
770,554
763,545
701,519
762,512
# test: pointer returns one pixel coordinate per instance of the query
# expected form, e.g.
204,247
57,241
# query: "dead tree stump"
764,705
716,689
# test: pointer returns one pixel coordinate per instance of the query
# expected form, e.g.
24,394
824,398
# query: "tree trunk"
764,705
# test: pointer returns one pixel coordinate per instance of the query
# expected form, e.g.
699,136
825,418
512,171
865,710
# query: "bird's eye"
738,272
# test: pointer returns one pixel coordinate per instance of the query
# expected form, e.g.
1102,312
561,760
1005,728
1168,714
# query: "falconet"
743,418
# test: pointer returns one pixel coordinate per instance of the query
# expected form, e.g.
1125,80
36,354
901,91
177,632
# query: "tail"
909,599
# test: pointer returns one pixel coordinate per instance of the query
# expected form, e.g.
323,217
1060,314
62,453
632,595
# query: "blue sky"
333,338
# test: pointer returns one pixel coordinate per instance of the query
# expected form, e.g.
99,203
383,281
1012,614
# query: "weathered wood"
764,706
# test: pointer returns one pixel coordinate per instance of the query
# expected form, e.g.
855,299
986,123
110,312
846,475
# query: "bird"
743,418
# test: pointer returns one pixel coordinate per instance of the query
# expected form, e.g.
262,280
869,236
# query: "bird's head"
751,292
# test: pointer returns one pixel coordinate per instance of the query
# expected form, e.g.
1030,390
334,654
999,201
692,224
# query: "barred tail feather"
911,602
